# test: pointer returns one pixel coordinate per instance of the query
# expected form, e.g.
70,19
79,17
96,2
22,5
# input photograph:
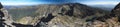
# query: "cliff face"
63,15
5,19
116,10
1,20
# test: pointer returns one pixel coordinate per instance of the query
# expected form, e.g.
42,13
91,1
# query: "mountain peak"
116,10
1,6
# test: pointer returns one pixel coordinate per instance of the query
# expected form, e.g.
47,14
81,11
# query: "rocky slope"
63,15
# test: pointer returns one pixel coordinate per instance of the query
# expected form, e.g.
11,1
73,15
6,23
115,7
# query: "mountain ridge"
64,15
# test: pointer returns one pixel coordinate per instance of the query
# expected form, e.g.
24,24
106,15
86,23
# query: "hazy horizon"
108,4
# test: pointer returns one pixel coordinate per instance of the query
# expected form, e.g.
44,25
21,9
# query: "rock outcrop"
109,20
5,19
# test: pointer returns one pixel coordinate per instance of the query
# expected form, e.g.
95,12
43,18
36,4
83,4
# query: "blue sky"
35,2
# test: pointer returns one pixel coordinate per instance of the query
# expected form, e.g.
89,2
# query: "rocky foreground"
63,15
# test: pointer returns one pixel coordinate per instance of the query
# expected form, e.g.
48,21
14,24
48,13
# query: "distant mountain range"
104,7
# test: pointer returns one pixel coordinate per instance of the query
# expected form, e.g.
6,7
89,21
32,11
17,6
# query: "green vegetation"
18,13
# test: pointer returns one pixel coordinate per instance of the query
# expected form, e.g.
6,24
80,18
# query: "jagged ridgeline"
21,13
33,14
1,15
61,15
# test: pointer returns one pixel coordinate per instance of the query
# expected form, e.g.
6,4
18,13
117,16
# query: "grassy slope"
22,12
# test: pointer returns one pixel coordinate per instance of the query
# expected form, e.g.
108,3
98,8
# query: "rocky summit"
58,15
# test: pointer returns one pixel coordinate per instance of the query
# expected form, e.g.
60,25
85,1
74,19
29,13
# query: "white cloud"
101,3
